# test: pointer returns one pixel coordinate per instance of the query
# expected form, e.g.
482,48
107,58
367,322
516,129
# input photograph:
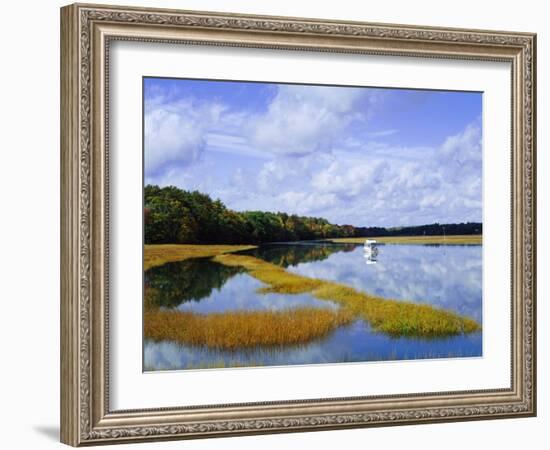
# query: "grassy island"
395,317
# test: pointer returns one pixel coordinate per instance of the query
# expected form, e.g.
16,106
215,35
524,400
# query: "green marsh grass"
394,317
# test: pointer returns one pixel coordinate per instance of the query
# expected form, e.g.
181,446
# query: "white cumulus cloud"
413,186
302,120
176,133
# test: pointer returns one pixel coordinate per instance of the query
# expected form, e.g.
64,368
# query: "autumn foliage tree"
172,215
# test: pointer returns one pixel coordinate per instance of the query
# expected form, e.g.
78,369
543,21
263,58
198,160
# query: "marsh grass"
398,318
446,240
394,317
157,255
244,329
277,278
149,298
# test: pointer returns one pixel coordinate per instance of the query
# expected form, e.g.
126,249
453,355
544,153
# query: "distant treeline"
175,216
434,229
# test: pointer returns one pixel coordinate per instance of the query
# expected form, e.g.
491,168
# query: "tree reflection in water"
294,253
191,280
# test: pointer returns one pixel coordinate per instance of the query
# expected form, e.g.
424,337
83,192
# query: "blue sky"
354,155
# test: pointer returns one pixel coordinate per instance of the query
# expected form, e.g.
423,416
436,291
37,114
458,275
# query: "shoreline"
474,239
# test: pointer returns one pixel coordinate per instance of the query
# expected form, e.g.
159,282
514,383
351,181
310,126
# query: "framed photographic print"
276,224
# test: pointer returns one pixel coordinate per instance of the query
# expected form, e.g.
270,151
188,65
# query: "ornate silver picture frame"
87,34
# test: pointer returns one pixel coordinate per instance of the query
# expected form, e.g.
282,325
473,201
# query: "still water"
446,276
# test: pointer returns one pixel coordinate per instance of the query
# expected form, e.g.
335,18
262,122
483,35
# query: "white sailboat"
371,251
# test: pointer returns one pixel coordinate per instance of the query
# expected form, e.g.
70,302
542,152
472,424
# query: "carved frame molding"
86,33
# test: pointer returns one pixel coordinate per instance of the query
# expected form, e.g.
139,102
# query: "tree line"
434,229
176,216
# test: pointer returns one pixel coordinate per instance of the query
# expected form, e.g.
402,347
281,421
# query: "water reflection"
240,293
445,276
203,286
370,255
291,254
184,281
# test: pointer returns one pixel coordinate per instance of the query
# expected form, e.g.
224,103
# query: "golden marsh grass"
244,329
157,255
447,240
394,317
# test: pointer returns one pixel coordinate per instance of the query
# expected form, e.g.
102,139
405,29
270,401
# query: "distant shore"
473,239
159,254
